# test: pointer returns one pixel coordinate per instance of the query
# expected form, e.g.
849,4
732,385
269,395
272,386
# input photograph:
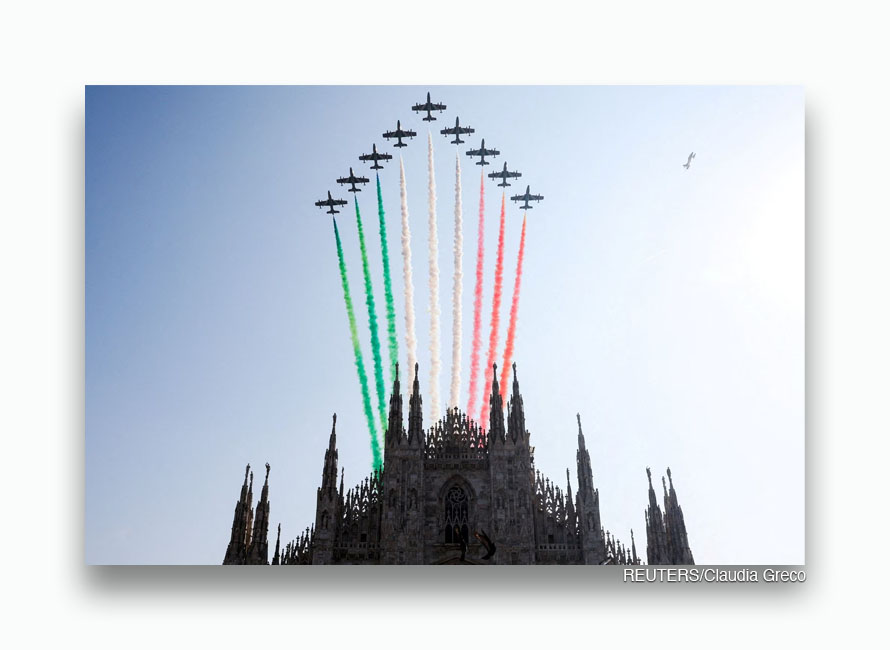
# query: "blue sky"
664,305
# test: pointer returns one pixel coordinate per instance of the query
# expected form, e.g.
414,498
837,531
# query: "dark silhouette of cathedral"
456,494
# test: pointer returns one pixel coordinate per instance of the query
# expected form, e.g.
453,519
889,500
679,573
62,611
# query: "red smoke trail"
495,312
477,300
514,307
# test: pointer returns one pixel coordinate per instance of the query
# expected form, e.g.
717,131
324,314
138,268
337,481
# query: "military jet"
330,203
482,152
429,107
457,131
376,157
689,160
504,175
353,179
399,133
528,196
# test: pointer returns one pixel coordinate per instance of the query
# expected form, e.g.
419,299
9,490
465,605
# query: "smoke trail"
359,360
477,300
495,310
410,338
435,361
458,289
514,308
387,287
372,321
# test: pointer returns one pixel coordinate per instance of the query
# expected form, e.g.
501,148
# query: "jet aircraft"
330,203
689,160
482,152
429,107
504,175
353,179
376,157
528,196
457,131
399,133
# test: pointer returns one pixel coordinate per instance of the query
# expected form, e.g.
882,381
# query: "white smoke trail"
410,338
435,361
458,289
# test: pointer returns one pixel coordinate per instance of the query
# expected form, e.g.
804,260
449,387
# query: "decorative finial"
246,472
268,467
397,369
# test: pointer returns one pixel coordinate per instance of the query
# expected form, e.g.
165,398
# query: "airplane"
330,203
429,107
482,152
689,161
528,196
353,179
376,157
399,134
457,131
504,175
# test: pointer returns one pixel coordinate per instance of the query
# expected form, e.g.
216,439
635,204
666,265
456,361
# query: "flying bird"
689,161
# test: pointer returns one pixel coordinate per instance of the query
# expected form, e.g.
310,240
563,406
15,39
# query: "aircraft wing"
477,152
408,134
535,197
437,107
492,152
339,202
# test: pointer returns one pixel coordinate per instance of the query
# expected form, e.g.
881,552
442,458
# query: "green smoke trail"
387,286
372,321
359,361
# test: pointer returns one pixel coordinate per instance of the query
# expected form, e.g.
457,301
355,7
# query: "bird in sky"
689,161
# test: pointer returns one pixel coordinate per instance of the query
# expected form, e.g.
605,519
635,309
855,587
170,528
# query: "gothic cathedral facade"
455,494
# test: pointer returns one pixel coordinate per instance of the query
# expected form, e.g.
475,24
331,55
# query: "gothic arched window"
457,513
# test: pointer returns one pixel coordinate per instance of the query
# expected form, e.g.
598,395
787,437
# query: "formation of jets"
429,107
399,133
482,152
353,179
330,203
528,196
457,130
504,175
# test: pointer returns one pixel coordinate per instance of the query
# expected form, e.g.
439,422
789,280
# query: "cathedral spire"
236,552
415,411
515,412
394,428
329,473
258,552
675,528
656,536
496,413
276,559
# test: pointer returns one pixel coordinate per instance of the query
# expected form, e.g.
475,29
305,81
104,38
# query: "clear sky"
664,305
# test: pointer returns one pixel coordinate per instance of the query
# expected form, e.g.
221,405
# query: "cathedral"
457,494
